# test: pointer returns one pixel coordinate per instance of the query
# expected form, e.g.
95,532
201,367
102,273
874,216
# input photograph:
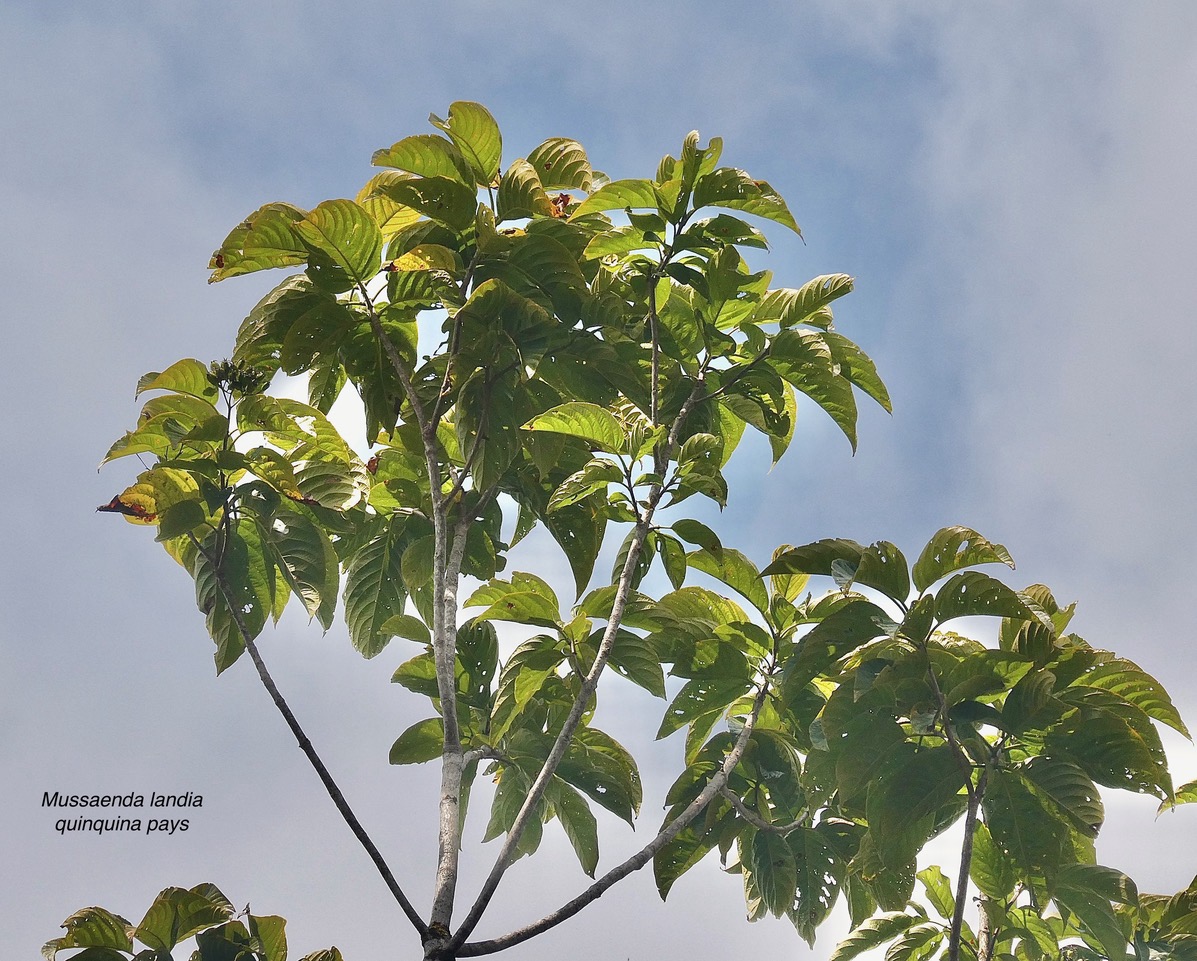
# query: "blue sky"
1010,185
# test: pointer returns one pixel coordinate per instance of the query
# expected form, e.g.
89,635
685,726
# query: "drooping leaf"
307,560
603,769
578,822
1022,827
1131,683
733,188
875,932
92,928
374,587
265,239
819,876
991,871
1084,889
972,593
953,548
423,741
903,803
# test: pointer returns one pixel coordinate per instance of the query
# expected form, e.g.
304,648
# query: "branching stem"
636,861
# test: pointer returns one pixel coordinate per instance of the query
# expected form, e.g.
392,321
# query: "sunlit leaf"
477,136
953,548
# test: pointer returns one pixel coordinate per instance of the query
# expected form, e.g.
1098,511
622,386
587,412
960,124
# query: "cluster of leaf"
591,352
177,914
883,729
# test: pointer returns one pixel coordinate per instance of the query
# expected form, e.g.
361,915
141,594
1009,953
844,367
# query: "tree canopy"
538,345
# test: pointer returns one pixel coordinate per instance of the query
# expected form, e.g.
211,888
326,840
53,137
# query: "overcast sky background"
1012,187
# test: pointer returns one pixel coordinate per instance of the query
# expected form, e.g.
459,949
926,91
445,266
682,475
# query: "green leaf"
327,954
857,368
562,164
820,557
1022,827
804,360
873,933
903,803
521,679
442,199
594,425
477,136
990,870
308,562
618,195
733,188
346,240
391,216
694,842
521,194
1185,794
183,377
92,928
423,741
249,579
820,874
700,696
1085,890
1113,741
270,930
412,628
578,821
426,155
265,239
525,599
736,571
882,566
916,944
695,532
418,675
1070,789
840,633
180,518
636,658
774,873
953,548
789,307
972,593
594,478
602,768
939,890
176,915
1131,683
374,588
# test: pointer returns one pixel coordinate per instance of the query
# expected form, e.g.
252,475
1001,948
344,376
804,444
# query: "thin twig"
755,819
305,745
